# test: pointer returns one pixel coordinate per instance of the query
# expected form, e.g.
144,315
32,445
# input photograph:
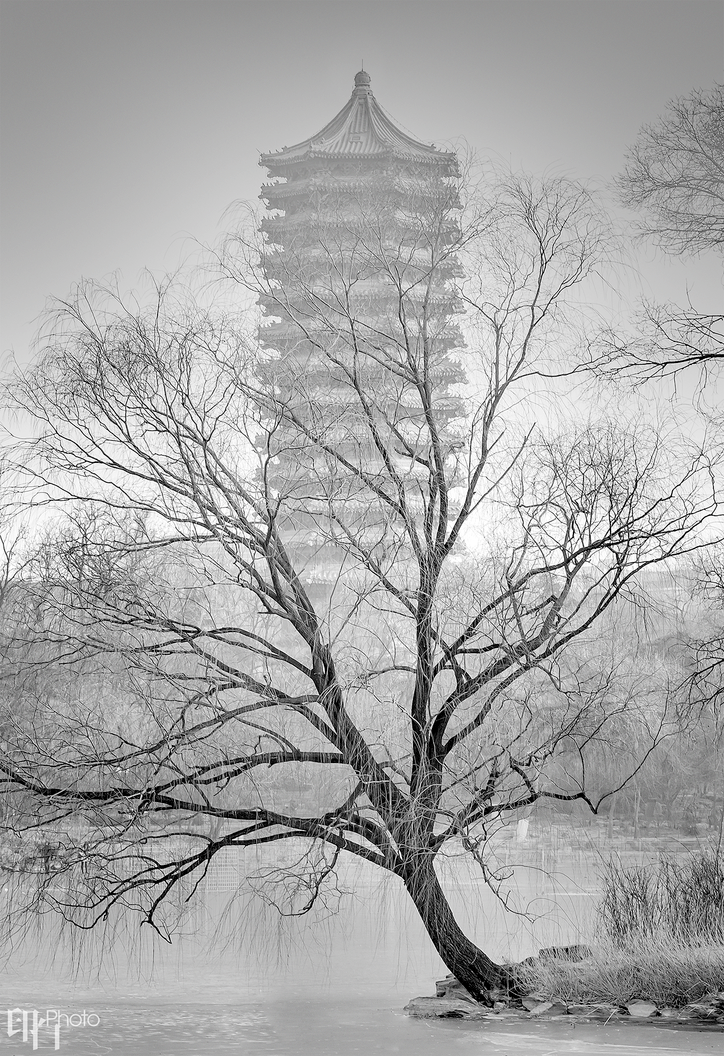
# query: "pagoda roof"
362,130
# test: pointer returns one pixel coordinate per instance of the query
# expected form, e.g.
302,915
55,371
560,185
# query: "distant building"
359,251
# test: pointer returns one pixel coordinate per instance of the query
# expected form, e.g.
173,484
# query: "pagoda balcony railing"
361,306
280,261
290,271
291,331
324,390
318,208
394,227
316,188
384,166
440,164
300,245
311,298
340,241
417,282
315,364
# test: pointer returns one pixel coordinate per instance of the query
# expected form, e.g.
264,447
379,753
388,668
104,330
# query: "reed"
660,938
679,898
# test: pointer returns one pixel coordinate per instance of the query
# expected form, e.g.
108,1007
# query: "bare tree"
675,171
451,673
675,174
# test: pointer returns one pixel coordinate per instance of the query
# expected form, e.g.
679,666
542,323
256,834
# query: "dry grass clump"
668,974
661,938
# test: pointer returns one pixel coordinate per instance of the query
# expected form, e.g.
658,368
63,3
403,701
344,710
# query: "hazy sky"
130,125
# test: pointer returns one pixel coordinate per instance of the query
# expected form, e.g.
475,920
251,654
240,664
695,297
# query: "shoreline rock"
452,1001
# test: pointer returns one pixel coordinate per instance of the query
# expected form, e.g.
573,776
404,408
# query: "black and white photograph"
362,527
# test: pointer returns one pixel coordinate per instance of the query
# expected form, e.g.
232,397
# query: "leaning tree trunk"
470,966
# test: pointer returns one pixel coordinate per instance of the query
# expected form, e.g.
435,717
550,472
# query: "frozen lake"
241,980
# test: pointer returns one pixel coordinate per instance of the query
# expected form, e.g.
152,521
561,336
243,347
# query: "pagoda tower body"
358,264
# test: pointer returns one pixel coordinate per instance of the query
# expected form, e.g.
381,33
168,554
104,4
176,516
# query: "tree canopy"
189,670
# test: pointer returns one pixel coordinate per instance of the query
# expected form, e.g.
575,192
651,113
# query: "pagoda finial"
362,79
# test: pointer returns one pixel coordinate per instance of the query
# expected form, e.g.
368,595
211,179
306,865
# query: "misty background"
128,127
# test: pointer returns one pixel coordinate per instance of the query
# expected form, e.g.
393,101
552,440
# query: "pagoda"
357,263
